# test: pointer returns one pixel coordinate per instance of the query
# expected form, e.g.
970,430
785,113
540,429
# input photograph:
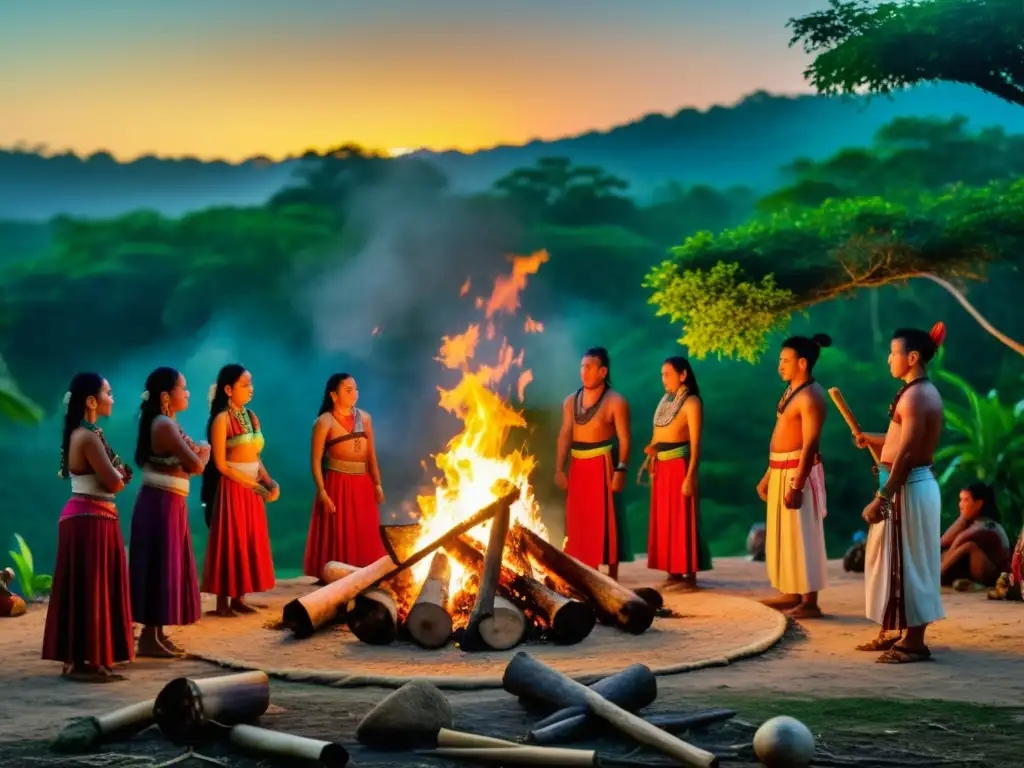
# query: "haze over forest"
747,143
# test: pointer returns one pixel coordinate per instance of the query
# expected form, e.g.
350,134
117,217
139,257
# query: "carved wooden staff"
851,422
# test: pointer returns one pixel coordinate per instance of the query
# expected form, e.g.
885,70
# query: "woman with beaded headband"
89,618
675,543
345,524
236,487
165,588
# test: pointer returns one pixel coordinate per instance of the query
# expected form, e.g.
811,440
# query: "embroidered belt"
346,467
681,451
591,451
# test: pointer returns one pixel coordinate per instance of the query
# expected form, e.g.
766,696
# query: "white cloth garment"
903,562
795,538
165,482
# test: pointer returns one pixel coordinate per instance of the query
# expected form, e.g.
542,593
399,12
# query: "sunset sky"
236,78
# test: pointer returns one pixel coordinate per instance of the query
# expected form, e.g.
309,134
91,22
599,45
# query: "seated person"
975,547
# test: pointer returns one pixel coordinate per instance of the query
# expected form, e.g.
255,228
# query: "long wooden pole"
850,419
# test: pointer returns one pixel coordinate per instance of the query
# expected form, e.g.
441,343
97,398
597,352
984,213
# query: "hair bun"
822,339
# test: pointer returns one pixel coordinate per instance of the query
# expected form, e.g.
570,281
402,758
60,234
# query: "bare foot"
782,602
804,611
84,673
170,645
224,611
240,606
150,647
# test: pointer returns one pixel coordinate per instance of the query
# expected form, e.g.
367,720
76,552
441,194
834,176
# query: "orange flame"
532,326
475,466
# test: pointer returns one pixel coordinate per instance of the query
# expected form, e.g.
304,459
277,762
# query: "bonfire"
479,566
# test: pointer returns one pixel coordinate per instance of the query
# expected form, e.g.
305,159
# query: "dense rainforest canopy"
358,244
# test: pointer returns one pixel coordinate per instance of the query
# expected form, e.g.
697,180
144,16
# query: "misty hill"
741,144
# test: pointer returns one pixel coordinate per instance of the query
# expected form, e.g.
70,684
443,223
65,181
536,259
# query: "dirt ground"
979,659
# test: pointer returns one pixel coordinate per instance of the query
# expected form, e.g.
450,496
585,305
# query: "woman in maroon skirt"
89,618
345,524
165,588
235,488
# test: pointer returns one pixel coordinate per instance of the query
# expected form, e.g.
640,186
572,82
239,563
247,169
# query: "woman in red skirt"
235,488
165,588
89,618
345,524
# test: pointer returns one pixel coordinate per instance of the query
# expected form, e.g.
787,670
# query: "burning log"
429,622
504,503
569,621
334,571
616,603
187,711
506,626
651,596
374,617
483,609
307,614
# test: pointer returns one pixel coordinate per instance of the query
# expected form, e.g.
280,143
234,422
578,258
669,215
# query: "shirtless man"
595,430
904,557
675,543
794,484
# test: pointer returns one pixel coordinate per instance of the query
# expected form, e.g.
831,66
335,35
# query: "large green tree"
907,156
730,290
880,47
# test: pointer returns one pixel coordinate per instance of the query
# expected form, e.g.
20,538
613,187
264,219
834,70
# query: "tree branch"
1016,346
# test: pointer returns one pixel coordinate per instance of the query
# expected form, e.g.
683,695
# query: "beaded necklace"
242,417
901,392
114,458
670,406
584,415
789,394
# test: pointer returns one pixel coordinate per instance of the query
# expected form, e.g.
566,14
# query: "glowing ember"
532,326
475,468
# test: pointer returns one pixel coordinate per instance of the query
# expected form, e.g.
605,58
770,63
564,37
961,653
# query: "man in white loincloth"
903,561
794,485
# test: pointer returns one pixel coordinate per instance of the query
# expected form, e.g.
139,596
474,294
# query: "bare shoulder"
567,403
366,417
693,403
924,397
617,399
220,419
163,425
813,396
81,436
323,421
